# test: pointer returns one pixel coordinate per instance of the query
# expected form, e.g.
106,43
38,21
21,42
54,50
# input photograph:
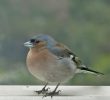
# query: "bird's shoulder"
62,51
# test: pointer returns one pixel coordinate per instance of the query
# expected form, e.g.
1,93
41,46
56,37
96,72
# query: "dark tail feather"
90,70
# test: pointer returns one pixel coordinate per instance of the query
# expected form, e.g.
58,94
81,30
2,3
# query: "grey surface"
54,98
65,90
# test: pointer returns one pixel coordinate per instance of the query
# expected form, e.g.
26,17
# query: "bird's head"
41,40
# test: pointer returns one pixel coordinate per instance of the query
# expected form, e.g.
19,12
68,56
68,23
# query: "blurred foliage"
83,25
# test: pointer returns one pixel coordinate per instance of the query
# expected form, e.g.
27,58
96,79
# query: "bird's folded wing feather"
62,51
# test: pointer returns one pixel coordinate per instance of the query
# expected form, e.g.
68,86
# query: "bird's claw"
53,93
43,91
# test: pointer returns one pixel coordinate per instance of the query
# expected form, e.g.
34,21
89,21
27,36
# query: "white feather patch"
71,56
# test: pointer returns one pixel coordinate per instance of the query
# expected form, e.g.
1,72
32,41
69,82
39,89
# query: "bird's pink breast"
39,62
38,59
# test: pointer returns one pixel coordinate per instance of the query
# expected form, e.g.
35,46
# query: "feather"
84,69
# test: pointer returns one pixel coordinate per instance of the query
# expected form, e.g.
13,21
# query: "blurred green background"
83,25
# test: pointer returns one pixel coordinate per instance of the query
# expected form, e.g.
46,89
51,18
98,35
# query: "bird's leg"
43,90
54,92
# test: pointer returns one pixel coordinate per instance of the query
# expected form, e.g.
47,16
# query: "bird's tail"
88,70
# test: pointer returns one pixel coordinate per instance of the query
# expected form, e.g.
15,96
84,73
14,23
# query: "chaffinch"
52,62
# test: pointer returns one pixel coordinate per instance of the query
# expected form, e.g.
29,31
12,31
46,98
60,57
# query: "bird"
53,62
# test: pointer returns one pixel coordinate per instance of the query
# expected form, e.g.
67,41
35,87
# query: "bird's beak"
28,44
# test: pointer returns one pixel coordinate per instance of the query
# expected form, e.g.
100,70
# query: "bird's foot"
43,90
53,93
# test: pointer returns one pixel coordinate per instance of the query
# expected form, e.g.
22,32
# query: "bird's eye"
32,40
37,41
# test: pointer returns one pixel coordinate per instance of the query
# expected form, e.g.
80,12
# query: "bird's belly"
53,71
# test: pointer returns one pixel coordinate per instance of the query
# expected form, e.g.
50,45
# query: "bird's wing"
62,51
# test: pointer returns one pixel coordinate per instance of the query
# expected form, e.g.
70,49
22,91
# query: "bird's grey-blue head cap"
41,37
